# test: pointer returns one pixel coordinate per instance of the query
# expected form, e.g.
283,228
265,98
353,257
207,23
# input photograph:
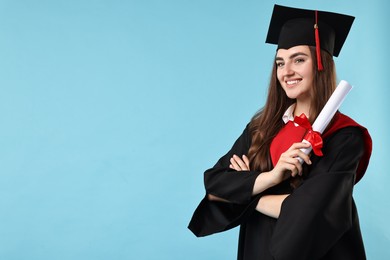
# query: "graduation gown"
318,220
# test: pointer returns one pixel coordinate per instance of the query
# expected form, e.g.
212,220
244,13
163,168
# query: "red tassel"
318,47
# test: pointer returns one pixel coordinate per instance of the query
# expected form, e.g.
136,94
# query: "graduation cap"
290,27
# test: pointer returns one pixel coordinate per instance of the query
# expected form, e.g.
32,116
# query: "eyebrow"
292,56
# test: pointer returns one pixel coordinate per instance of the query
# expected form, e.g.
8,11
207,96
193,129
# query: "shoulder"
345,130
354,137
343,124
349,137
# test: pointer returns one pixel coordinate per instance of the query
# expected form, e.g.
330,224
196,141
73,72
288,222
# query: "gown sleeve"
234,186
320,211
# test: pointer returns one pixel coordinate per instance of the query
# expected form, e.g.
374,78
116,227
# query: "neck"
302,107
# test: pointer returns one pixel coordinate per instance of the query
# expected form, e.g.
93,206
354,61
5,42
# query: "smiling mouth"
292,82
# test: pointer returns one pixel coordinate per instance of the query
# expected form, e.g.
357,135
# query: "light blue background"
111,110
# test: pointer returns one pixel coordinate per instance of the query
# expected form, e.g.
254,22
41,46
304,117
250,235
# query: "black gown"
318,220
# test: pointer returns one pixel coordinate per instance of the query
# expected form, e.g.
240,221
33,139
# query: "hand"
288,164
239,164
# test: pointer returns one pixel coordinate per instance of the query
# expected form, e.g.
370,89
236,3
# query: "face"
295,72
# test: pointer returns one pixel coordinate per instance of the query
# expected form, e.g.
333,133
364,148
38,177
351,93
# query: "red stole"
290,134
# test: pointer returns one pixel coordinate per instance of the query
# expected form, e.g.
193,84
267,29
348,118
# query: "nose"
287,70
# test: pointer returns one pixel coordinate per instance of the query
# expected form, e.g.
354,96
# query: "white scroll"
330,108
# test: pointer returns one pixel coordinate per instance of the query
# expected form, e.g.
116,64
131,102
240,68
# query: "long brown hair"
267,122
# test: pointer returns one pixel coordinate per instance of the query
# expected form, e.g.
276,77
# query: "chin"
291,96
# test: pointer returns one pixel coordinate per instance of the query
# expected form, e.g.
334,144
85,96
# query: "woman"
287,210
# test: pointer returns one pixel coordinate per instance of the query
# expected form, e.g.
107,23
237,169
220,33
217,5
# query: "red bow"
313,137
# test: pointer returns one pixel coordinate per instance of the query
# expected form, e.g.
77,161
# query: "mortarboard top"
290,27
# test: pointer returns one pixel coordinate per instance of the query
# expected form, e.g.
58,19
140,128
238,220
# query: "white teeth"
291,82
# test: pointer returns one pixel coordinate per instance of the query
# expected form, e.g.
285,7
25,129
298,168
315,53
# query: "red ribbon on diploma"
313,137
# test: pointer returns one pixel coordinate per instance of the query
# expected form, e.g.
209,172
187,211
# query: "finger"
298,153
234,164
293,165
240,162
298,167
246,161
304,157
291,170
299,146
294,171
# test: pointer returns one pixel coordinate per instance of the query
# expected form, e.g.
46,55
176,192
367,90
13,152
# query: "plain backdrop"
110,111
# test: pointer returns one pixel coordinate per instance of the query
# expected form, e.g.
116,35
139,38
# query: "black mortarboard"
290,27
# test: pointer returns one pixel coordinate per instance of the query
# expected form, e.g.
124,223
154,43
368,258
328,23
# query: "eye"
279,64
299,60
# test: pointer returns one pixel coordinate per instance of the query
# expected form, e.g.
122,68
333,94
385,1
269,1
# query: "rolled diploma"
327,113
